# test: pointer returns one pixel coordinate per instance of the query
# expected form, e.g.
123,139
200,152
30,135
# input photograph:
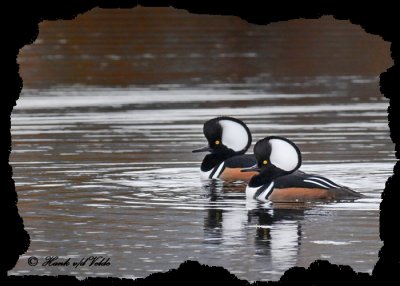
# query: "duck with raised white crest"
228,140
277,160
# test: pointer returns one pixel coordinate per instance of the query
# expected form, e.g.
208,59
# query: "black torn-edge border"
19,24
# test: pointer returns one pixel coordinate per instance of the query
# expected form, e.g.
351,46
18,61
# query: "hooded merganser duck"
277,160
228,139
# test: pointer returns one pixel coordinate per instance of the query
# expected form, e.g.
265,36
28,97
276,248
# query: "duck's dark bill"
204,149
250,169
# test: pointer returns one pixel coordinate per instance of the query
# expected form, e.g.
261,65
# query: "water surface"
110,172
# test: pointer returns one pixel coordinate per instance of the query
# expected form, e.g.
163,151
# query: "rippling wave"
110,172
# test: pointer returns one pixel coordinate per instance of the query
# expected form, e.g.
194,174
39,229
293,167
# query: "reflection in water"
122,181
277,227
278,234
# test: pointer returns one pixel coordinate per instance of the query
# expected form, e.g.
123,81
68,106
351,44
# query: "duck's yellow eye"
265,162
217,142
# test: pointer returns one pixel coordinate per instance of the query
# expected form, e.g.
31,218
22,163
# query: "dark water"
107,170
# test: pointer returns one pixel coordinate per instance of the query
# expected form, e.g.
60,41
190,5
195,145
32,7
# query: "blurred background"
169,46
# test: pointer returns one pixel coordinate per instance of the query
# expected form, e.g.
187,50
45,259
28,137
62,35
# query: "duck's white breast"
250,193
206,175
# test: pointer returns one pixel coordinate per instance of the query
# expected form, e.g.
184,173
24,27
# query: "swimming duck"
278,158
228,140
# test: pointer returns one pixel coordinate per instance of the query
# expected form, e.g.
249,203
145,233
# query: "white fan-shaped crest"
234,135
284,155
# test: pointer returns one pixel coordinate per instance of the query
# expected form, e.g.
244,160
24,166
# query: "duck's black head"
226,136
276,156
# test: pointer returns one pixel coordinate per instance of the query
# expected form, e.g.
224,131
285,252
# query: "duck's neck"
259,180
210,161
265,177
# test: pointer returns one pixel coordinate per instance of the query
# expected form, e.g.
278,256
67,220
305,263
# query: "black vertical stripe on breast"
262,189
215,170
